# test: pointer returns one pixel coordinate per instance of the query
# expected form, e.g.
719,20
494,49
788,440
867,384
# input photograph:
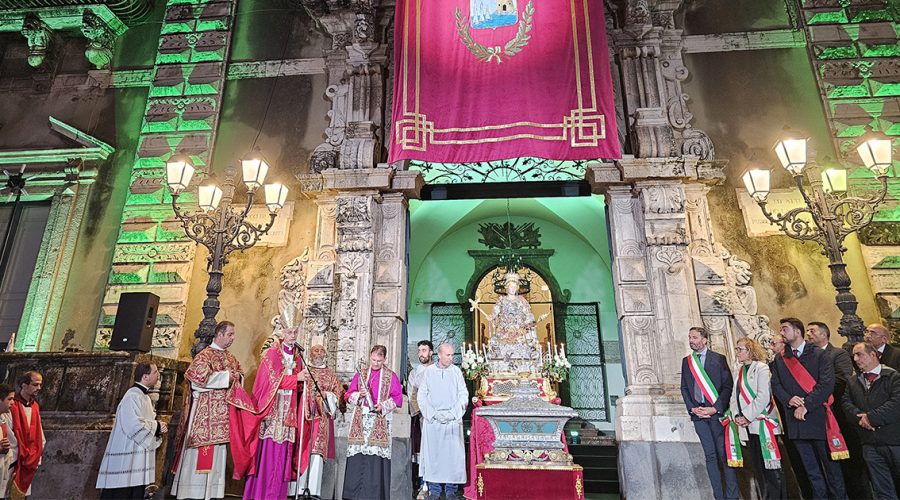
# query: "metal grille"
449,325
525,169
587,394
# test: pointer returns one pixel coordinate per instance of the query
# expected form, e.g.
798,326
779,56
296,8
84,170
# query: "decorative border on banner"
584,126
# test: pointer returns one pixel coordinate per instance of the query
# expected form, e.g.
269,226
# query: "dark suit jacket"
843,371
891,357
716,367
821,368
881,401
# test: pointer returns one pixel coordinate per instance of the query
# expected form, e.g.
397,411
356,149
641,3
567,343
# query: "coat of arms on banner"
491,14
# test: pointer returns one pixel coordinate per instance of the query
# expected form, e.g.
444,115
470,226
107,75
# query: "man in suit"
706,403
878,335
872,400
805,415
854,469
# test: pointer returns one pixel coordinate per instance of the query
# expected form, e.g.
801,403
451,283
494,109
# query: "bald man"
878,335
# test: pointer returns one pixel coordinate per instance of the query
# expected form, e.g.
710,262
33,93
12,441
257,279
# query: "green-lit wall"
744,100
442,232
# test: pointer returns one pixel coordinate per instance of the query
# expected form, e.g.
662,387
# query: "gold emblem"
511,48
579,489
480,485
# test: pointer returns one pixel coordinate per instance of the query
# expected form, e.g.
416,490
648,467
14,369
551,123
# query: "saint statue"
513,345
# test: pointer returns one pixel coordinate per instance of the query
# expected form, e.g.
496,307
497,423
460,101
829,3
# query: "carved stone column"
650,55
356,282
670,275
356,64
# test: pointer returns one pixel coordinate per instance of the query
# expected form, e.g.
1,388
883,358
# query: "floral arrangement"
473,364
556,365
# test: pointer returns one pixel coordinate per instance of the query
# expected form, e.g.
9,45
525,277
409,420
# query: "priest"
129,463
443,398
318,417
29,433
276,392
216,386
374,394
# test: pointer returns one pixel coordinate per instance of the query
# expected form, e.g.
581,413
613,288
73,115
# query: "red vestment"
31,444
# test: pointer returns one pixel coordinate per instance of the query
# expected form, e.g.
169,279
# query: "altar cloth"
481,442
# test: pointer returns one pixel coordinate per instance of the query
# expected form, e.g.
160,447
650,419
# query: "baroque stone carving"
353,210
100,39
39,37
663,199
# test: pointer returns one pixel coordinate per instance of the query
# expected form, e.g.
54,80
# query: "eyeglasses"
741,348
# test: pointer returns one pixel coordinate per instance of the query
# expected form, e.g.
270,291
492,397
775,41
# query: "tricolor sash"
767,425
836,443
732,438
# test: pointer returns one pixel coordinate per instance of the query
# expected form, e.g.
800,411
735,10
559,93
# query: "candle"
563,349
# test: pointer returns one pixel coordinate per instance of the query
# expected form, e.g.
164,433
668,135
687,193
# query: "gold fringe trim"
735,463
840,455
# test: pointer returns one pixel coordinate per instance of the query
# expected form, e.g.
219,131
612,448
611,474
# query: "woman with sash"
753,410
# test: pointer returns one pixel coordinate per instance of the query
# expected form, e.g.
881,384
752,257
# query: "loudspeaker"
135,321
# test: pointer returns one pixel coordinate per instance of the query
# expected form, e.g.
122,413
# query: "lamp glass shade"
758,183
179,172
834,180
876,155
792,155
208,197
254,170
276,195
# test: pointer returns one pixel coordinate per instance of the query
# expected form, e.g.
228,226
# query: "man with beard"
318,419
854,469
706,386
215,376
29,433
803,380
426,355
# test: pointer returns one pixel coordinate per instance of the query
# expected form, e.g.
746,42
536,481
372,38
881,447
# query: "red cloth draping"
530,484
481,442
31,444
244,428
531,81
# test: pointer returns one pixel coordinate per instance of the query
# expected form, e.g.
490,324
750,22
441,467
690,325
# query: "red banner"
481,80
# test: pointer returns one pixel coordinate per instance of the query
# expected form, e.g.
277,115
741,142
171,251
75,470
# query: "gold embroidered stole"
379,435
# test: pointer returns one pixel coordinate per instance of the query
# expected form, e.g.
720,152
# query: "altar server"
442,399
129,464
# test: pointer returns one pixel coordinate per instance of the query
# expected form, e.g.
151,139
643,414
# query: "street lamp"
219,227
829,215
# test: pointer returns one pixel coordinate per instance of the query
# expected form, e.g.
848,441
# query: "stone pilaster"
356,65
670,275
182,113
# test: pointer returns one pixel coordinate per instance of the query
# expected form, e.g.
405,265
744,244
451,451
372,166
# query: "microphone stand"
306,494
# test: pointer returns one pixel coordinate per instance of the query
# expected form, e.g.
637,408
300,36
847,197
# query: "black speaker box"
135,321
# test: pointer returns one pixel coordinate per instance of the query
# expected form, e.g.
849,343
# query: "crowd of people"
828,417
281,433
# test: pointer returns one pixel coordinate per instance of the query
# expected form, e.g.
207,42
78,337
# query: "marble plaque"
278,235
779,201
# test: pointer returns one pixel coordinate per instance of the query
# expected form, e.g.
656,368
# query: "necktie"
878,353
796,353
870,377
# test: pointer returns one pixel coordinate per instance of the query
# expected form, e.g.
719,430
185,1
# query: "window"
28,227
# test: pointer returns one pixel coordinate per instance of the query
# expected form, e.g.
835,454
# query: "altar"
517,447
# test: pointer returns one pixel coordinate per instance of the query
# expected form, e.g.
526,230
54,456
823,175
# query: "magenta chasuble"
480,80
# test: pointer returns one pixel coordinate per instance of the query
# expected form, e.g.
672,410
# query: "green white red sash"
767,425
732,438
836,443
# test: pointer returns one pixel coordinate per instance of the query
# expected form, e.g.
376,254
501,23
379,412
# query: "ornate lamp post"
829,215
220,227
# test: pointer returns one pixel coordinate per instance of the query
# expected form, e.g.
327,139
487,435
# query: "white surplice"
443,398
130,458
7,460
